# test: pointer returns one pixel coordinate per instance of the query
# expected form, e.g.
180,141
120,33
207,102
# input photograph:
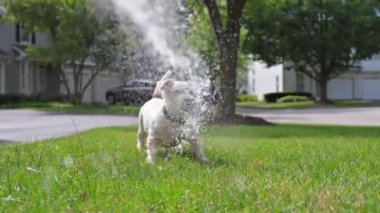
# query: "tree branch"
214,13
93,75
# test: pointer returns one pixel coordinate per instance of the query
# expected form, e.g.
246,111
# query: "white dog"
161,120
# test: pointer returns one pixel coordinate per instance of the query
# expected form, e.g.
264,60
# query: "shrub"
273,97
292,98
246,98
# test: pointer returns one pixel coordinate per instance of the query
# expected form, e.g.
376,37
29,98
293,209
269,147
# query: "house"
360,84
22,74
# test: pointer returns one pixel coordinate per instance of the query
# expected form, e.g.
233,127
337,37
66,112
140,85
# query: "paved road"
366,116
31,125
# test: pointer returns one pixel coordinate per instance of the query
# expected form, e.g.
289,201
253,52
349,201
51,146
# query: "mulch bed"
240,120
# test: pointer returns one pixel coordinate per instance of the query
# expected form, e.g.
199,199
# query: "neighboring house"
22,74
359,84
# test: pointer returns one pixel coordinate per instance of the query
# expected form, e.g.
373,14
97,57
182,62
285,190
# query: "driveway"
32,125
366,116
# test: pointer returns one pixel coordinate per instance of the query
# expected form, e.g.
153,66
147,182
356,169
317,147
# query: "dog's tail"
157,92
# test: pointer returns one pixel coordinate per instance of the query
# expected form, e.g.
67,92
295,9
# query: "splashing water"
162,25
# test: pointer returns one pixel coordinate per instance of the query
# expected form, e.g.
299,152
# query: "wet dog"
162,119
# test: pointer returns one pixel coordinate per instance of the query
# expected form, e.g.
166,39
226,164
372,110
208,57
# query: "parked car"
132,92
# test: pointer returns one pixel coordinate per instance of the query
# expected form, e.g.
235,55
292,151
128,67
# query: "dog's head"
179,93
157,90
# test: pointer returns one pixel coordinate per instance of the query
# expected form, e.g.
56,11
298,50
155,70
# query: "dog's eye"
177,91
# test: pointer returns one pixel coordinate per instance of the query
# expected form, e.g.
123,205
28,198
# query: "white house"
361,84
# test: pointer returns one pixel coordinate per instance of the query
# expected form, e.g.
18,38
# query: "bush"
19,98
292,98
273,97
246,98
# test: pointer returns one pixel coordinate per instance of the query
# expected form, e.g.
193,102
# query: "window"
300,82
22,36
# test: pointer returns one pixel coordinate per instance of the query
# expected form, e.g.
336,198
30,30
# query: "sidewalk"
31,125
363,116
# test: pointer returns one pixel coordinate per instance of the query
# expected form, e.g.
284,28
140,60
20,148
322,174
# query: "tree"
225,18
77,35
320,38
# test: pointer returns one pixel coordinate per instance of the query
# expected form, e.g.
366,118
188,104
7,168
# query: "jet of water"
160,25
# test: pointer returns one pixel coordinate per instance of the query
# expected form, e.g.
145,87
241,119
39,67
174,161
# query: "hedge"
273,97
246,98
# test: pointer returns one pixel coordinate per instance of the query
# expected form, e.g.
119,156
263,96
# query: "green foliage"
246,98
253,169
201,37
320,38
292,98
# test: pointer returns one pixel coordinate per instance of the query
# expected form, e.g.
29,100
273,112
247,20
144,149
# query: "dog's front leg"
197,150
141,139
151,151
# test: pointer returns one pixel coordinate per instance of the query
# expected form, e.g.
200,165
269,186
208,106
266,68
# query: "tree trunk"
323,92
62,73
228,82
77,98
228,39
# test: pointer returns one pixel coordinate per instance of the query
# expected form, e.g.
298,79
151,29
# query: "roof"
20,50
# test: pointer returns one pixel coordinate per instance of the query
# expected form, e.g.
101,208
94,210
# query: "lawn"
255,169
83,108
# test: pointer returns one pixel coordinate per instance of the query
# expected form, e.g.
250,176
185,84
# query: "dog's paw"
150,160
140,148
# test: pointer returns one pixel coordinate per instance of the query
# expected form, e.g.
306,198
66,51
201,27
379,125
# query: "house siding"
95,93
2,76
262,75
12,78
50,79
8,37
356,84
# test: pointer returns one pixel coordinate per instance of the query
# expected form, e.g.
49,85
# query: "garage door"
371,89
340,89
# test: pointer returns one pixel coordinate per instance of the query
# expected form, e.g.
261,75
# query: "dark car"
132,92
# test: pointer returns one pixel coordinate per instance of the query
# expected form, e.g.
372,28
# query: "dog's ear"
167,84
157,91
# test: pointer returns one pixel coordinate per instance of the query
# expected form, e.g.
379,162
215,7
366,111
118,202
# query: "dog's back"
149,111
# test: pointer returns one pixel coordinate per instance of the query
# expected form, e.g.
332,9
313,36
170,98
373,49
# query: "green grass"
305,104
255,169
83,108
